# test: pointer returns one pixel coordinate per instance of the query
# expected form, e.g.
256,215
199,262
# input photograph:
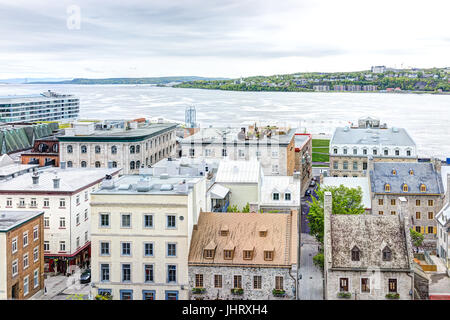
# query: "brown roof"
243,234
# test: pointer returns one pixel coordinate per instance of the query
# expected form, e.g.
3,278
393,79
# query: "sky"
212,38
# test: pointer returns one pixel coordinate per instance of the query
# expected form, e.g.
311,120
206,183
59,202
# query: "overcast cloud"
228,38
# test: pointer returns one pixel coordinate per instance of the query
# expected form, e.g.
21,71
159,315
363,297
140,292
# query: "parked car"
308,192
313,183
86,276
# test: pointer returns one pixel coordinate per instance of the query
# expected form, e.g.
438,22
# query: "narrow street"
311,283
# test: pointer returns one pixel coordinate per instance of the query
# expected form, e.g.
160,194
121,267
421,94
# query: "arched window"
69,164
83,164
97,149
405,188
69,148
138,164
374,151
423,188
55,148
411,172
132,165
97,164
387,187
132,150
387,254
394,172
138,148
43,147
83,149
113,150
355,253
114,164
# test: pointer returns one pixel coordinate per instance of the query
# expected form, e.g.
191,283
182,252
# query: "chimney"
437,164
296,174
35,178
62,165
327,249
56,182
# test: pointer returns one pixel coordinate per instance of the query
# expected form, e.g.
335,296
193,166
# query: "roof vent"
346,129
164,176
125,186
395,130
143,186
35,178
56,182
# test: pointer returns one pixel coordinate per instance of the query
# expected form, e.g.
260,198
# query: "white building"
378,69
46,106
141,230
443,226
280,193
129,147
64,196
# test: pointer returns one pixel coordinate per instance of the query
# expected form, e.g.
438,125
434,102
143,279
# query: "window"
355,151
405,188
335,150
380,213
62,203
171,221
62,223
126,294
9,202
393,213
35,254
374,152
345,150
393,285
126,248
335,164
411,172
431,215
287,196
77,218
228,254
104,272
171,249
125,221
274,154
355,253
25,239
247,254
423,188
15,268
345,165
104,220
430,203
132,165
275,196
355,165
138,148
171,295
364,165
417,202
126,272
25,286
364,151
343,284
199,280
279,283
113,150
69,149
257,280
104,249
430,229
208,254
171,273
33,203
387,187
392,202
97,164
83,164
148,221
25,261
241,153
86,214
380,202
148,295
418,229
237,282
217,281
386,152
207,152
268,255
191,152
78,242
35,233
46,246
224,152
83,149
69,164
62,246
418,215
148,273
36,278
21,202
408,153
46,203
132,149
365,285
397,152
387,254
97,149
148,249
114,164
274,168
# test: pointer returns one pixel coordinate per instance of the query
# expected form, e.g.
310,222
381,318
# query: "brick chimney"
327,211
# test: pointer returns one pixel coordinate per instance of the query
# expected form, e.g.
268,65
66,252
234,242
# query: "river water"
425,116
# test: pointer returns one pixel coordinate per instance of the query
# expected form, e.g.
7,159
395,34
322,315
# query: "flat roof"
238,171
12,219
352,182
372,136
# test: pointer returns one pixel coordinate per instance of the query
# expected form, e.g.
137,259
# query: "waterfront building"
350,147
47,106
131,146
273,146
141,230
64,196
21,254
244,256
366,257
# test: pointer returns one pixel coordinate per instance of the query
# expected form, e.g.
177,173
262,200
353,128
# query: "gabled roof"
372,136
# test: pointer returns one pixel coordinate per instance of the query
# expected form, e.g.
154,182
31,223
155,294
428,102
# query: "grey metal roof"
12,219
424,173
300,140
372,136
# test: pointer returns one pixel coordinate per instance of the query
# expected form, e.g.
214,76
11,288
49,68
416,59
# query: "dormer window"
228,254
275,196
411,172
355,253
394,172
387,254
248,254
224,231
423,188
335,150
263,232
208,254
268,255
387,187
287,196
345,150
405,188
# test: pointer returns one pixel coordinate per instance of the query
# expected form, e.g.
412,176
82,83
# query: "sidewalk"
56,285
440,265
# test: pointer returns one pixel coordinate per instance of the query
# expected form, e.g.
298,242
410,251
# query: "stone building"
235,256
273,146
303,158
21,254
366,257
130,147
420,183
443,229
350,147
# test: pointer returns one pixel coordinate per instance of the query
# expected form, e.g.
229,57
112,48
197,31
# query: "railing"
427,257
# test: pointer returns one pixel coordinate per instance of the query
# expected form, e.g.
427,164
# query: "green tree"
345,201
318,260
232,209
416,237
246,208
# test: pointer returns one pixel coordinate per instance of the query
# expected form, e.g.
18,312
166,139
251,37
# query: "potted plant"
198,290
278,292
237,291
103,296
345,295
393,296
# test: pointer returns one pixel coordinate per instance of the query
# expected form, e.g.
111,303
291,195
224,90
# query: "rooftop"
280,184
242,171
422,173
244,234
12,219
301,139
33,97
71,179
372,136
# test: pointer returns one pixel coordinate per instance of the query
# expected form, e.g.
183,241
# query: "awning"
219,192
